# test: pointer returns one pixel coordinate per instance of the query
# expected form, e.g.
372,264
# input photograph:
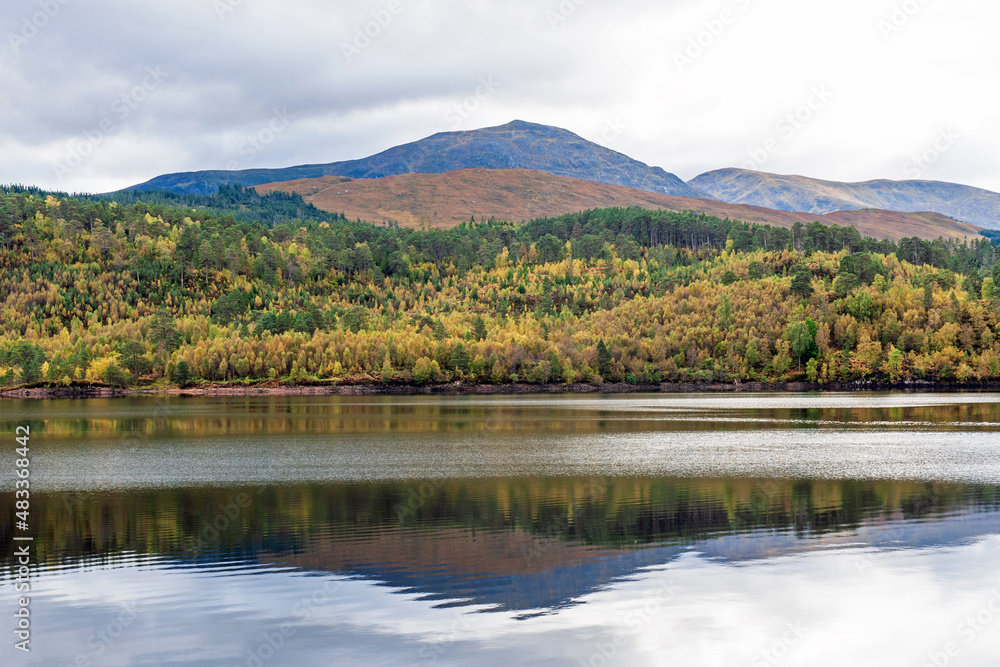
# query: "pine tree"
802,282
479,328
162,330
182,374
460,359
133,355
115,376
603,359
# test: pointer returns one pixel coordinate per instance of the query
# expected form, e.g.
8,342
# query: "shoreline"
461,389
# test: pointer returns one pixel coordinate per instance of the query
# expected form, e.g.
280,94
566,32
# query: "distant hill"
517,145
799,193
444,200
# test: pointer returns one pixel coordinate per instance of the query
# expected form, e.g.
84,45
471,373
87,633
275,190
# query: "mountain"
444,200
798,193
517,145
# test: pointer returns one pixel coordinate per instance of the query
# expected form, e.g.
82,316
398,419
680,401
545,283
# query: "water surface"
634,530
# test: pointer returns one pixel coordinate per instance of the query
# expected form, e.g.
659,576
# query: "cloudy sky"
101,94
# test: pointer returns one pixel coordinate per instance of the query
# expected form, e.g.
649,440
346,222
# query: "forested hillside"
148,293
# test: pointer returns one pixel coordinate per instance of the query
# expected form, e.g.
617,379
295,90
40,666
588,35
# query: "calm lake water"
764,529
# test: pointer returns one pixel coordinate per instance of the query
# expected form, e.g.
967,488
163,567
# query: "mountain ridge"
559,152
516,145
812,195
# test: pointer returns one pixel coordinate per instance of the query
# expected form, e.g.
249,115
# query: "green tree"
603,359
989,289
356,319
894,365
973,283
556,366
802,337
230,306
550,248
752,353
133,356
163,332
30,358
115,375
845,284
479,328
802,282
863,265
724,313
460,359
182,374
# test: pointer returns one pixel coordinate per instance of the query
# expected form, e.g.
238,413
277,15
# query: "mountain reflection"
510,543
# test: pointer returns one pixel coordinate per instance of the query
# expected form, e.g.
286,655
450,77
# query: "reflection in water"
137,443
496,542
637,530
291,415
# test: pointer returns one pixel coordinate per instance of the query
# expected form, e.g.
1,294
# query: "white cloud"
567,63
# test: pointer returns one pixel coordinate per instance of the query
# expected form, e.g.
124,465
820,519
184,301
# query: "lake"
695,529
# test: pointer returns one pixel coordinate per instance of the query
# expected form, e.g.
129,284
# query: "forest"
157,290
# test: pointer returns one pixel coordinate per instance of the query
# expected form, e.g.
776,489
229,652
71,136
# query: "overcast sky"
97,95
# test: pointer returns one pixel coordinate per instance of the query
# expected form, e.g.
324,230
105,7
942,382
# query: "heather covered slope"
799,193
515,195
516,145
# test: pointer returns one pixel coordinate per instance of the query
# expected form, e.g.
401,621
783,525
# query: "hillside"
516,145
94,292
799,193
432,200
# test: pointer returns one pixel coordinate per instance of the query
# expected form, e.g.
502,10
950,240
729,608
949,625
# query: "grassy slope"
444,200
